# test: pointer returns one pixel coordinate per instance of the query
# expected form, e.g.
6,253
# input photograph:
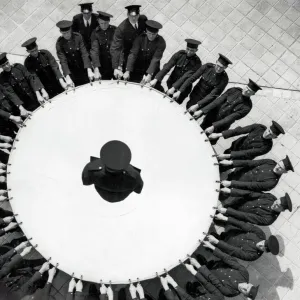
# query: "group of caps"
151,25
111,155
133,10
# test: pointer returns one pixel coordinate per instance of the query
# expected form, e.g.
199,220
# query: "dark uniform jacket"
24,84
3,214
226,109
212,293
100,51
9,101
22,279
85,31
249,146
209,87
80,296
6,257
47,70
27,287
72,54
145,55
228,273
254,175
10,264
112,187
183,65
252,207
239,240
124,37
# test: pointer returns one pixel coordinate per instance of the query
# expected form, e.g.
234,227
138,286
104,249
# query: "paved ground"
260,37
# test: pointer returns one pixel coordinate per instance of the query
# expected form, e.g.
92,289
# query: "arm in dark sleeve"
4,114
35,82
87,176
69,296
140,185
75,25
254,185
230,261
6,257
177,84
79,296
182,294
95,49
217,102
230,201
27,288
167,67
193,78
104,297
238,131
116,48
216,92
245,193
247,227
170,295
46,291
11,95
2,223
53,64
84,53
133,54
237,115
155,61
7,267
236,251
63,59
248,163
248,217
249,153
210,282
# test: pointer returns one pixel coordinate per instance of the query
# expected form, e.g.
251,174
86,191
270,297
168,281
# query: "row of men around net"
246,205
273,169
214,264
131,51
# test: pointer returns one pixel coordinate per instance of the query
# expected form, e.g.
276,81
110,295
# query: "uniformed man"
185,64
144,59
124,36
256,175
85,23
27,283
243,240
233,105
211,292
113,176
254,207
42,64
9,249
73,56
213,80
7,222
230,277
27,86
11,111
45,292
102,38
258,141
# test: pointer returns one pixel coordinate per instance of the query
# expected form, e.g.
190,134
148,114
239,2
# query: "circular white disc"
71,223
